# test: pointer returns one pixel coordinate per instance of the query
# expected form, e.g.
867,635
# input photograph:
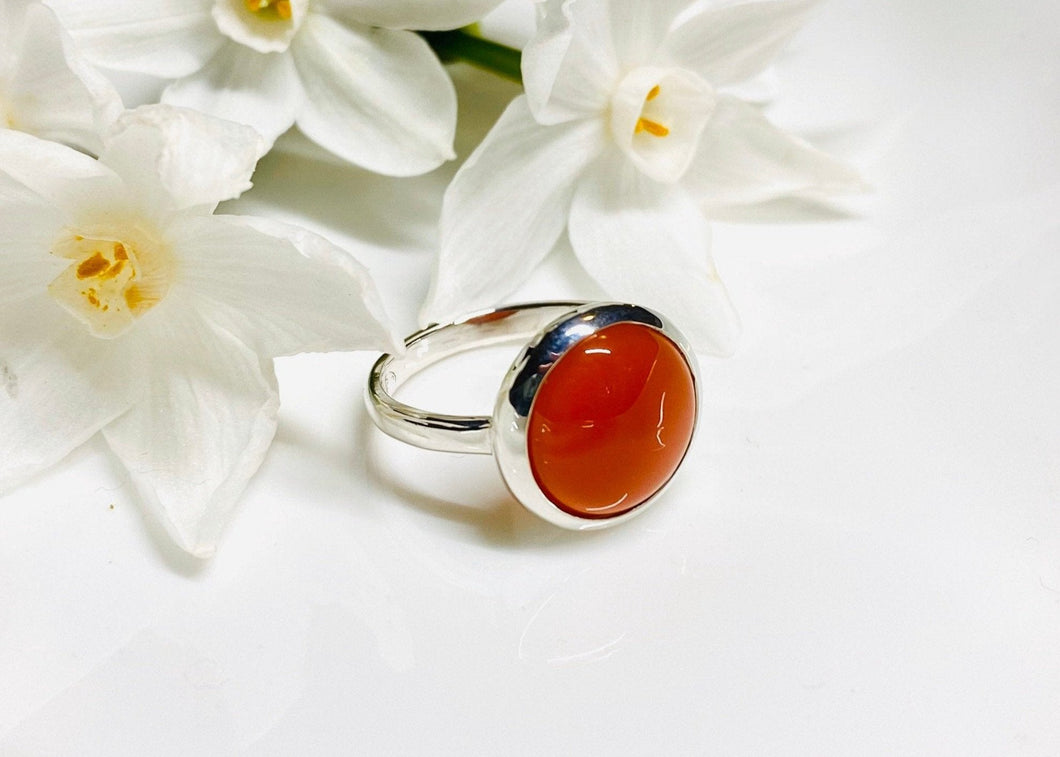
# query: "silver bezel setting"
524,378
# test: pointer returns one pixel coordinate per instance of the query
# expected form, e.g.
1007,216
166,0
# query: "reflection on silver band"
437,431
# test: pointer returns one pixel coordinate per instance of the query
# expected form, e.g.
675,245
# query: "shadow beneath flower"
481,98
301,180
176,559
305,182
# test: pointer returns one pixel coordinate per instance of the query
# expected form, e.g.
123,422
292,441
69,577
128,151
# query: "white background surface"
861,555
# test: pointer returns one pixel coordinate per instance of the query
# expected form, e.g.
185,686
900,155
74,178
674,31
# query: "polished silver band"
450,433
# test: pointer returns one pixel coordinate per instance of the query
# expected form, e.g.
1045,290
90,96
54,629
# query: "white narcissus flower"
346,71
127,307
46,88
628,131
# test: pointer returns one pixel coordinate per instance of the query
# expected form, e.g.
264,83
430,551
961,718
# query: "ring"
591,421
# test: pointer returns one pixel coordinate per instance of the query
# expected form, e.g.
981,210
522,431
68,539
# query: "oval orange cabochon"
611,421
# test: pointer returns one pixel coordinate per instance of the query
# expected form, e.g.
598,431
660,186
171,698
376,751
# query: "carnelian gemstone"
611,421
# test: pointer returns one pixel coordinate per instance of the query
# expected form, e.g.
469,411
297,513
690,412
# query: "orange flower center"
112,282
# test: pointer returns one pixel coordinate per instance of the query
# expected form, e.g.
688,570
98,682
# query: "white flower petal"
201,430
176,158
427,15
647,243
11,23
28,228
280,289
244,86
570,66
378,98
64,179
743,158
50,91
583,48
734,42
261,33
505,208
639,28
58,386
166,38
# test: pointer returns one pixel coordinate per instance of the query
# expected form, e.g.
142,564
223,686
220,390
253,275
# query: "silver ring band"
437,431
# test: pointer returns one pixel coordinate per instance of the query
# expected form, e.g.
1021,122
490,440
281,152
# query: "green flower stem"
465,45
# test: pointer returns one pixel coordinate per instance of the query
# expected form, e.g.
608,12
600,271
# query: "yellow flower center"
279,10
113,281
646,124
657,119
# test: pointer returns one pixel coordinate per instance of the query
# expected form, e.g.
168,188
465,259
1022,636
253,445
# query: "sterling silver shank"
515,324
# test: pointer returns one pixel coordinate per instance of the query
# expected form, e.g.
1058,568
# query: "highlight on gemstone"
611,421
